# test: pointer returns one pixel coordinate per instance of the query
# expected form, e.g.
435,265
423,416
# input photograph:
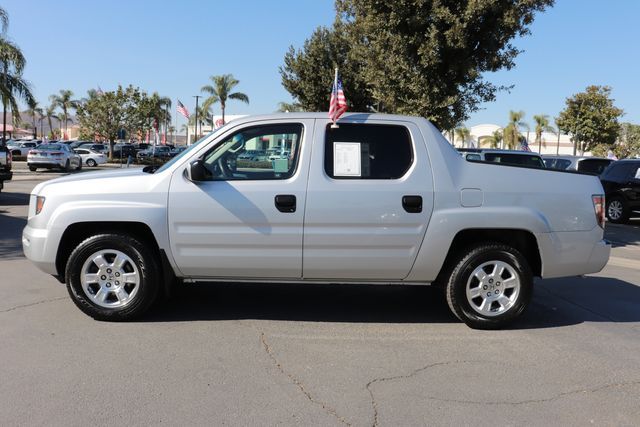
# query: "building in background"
552,143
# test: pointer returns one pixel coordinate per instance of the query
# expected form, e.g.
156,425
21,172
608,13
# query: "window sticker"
346,159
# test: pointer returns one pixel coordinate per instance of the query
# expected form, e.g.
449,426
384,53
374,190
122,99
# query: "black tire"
67,166
141,256
617,210
91,163
32,168
461,276
79,165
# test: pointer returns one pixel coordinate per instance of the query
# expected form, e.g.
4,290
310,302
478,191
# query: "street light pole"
195,138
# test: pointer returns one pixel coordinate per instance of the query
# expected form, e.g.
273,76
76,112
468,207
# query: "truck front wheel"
112,277
489,286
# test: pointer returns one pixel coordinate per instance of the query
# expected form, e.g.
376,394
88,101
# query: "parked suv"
593,165
507,157
621,182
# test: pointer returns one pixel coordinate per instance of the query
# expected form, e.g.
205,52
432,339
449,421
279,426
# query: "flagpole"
335,88
175,131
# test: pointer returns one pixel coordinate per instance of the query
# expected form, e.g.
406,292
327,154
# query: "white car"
21,148
50,156
90,157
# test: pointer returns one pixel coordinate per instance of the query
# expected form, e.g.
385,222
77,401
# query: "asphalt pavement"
268,354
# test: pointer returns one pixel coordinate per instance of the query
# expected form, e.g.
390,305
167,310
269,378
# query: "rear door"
369,201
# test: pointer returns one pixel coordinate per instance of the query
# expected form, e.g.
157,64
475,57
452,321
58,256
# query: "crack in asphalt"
32,304
374,404
299,384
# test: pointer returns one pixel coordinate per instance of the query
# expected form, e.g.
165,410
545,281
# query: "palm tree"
12,86
49,113
285,107
463,134
64,101
542,125
33,109
512,131
221,89
496,138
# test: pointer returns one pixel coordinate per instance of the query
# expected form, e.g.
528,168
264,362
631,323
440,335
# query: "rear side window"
619,172
367,151
515,159
594,166
561,164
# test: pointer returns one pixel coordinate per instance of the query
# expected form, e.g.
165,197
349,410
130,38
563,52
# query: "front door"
245,220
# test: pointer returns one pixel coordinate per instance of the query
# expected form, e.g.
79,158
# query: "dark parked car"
161,152
506,157
621,182
124,151
593,165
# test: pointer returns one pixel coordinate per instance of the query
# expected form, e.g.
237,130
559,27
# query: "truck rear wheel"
112,277
489,286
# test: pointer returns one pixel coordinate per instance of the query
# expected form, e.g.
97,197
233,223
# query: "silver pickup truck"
381,199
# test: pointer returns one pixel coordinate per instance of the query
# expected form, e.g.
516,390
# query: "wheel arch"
522,240
75,233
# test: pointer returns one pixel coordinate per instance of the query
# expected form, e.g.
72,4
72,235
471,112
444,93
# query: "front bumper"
34,248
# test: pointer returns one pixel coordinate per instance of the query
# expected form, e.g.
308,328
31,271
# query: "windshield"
187,150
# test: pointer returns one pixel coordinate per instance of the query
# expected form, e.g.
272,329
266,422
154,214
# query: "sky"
173,48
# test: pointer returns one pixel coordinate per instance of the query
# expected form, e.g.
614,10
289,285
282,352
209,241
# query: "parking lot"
317,354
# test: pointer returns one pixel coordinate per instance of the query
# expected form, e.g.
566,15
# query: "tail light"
9,160
32,152
598,207
57,153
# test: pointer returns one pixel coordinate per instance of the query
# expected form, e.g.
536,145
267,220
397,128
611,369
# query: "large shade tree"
220,91
591,118
429,58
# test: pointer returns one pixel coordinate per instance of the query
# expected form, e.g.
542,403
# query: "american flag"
182,109
338,103
524,145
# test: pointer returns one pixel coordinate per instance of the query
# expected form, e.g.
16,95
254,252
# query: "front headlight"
39,204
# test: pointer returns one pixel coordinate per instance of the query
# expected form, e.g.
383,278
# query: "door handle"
285,202
412,204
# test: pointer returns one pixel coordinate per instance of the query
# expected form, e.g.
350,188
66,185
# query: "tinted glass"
619,172
385,151
51,147
557,163
515,159
275,148
594,166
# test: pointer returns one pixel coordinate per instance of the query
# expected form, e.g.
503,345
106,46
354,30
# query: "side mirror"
197,171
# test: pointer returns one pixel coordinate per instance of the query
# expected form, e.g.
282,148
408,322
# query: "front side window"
367,151
256,153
